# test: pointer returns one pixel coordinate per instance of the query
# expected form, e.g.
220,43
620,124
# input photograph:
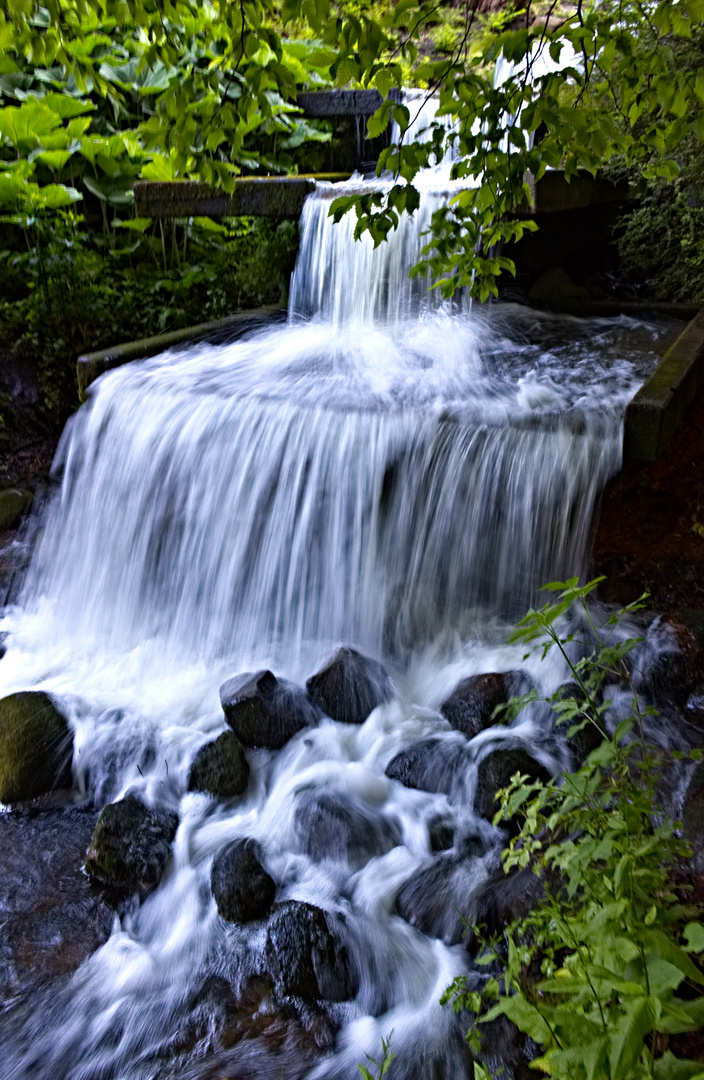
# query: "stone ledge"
261,196
322,103
654,414
90,366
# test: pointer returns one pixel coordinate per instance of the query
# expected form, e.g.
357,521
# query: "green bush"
608,966
86,289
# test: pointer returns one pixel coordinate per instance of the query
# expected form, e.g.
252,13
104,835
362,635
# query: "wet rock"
693,814
581,743
247,1034
14,503
350,686
51,916
428,765
265,711
441,834
437,899
304,958
220,768
334,825
495,772
669,663
499,900
241,886
36,746
131,845
471,704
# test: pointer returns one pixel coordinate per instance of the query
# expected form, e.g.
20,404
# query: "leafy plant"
382,1065
607,968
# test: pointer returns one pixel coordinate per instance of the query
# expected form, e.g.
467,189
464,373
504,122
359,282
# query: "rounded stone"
220,768
350,686
304,958
243,890
36,746
495,772
131,845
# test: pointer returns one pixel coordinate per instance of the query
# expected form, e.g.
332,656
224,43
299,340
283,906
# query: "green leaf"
627,1037
694,937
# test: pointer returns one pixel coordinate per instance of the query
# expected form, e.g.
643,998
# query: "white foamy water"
388,474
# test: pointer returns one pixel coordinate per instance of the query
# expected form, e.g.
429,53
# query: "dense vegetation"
606,970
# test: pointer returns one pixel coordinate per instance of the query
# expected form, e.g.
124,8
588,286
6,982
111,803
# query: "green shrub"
86,289
607,967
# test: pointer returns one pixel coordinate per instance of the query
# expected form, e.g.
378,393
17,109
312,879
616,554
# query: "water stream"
384,471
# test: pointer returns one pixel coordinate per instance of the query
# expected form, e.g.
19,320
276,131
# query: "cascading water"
384,471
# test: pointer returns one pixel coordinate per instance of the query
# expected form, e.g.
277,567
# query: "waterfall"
387,471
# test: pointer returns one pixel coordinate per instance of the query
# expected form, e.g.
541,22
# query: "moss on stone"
13,505
36,746
220,767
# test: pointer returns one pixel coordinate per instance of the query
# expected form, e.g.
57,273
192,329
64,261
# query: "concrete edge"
91,365
654,413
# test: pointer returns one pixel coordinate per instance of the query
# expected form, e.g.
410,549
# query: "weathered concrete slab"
94,364
317,104
262,196
654,414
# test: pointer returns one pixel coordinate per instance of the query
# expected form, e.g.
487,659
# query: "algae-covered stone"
131,845
36,746
220,767
13,505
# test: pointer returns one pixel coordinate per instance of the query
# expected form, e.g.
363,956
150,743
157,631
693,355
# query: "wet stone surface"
305,958
51,916
471,705
350,686
334,825
242,888
265,711
220,768
429,765
131,845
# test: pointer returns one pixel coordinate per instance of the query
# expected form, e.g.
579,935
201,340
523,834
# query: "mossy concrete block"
91,365
654,414
36,746
14,503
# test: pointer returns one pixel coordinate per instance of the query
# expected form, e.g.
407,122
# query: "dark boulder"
350,686
304,958
333,825
36,746
265,711
495,772
131,845
669,663
241,886
220,767
429,765
471,705
437,899
498,901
